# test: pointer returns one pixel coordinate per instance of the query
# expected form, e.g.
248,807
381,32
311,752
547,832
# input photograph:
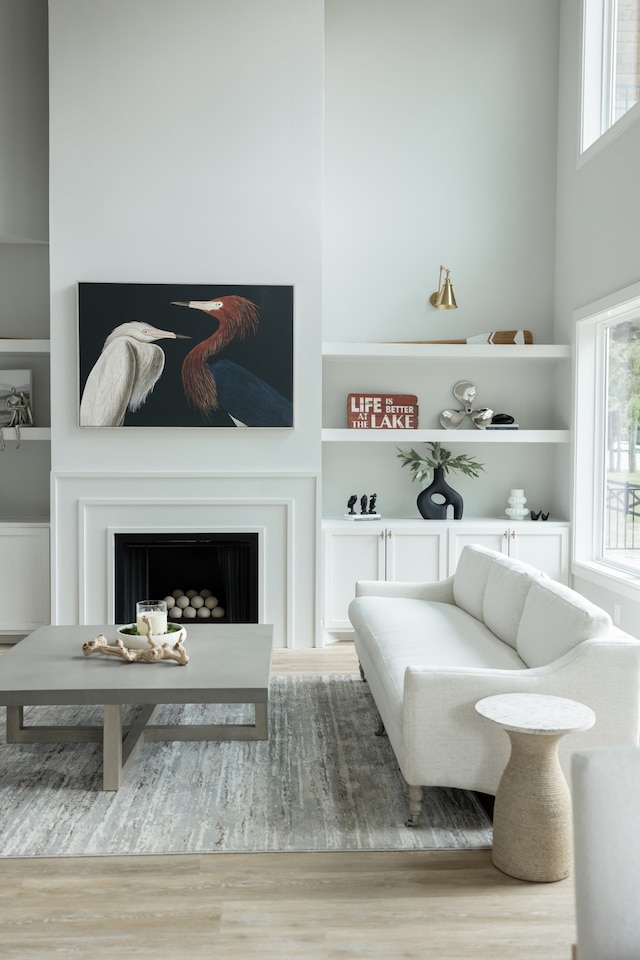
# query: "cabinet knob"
513,534
382,535
505,535
389,534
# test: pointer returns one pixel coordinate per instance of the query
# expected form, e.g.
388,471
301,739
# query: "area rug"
321,782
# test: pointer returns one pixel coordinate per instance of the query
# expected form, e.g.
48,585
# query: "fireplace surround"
157,564
90,509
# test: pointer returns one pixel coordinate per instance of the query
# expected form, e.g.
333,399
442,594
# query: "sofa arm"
443,732
438,590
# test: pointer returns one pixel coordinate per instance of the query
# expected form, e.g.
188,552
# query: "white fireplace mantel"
88,509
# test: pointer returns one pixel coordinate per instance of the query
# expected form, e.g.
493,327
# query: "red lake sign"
382,411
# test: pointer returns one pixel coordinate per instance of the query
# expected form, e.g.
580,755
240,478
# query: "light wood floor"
386,906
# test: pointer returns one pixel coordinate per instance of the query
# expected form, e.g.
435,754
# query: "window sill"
608,578
612,133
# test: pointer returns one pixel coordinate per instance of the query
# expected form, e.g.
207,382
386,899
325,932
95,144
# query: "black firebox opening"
155,565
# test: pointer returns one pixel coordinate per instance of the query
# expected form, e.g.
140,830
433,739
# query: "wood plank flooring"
384,906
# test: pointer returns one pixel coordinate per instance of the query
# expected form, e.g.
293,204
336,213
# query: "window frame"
590,432
598,126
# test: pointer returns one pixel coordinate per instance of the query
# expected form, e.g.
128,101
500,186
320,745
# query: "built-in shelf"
405,351
8,523
15,346
26,434
10,346
445,351
452,436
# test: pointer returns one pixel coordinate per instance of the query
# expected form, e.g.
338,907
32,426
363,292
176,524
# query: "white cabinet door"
425,551
543,545
352,551
416,553
494,535
24,577
367,550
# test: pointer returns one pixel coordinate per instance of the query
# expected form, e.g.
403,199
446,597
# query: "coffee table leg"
15,723
118,751
112,747
262,721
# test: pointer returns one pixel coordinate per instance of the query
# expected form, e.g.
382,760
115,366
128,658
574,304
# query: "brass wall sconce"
443,298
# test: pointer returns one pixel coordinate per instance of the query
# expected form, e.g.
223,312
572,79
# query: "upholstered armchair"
606,799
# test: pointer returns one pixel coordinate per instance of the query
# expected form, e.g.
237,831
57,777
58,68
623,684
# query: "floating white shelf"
445,351
26,434
449,436
24,346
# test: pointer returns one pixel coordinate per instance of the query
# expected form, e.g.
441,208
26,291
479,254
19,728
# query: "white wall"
186,146
597,242
23,117
24,276
440,148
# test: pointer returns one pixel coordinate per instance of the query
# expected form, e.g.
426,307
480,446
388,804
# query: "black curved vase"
435,500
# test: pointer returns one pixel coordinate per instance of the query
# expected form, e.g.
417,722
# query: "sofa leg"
362,676
415,806
380,731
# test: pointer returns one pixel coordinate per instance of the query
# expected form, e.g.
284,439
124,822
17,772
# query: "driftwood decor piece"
166,651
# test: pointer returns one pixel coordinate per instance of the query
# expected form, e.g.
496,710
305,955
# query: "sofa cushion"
399,633
504,597
470,579
554,620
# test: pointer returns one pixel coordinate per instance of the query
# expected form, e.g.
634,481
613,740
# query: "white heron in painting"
128,368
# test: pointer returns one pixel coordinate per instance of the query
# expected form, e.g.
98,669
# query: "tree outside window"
626,88
621,533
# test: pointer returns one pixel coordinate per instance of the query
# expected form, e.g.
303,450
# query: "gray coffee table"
227,664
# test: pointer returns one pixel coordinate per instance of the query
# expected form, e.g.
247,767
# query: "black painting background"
268,353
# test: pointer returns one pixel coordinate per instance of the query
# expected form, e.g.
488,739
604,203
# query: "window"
611,65
621,516
607,463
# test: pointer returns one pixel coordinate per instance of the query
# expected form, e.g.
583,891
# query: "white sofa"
430,651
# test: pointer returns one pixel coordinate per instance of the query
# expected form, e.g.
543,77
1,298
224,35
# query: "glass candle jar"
153,611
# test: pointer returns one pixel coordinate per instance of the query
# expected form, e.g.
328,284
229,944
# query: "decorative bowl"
134,641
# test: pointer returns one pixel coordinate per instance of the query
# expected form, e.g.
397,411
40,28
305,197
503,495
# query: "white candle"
156,613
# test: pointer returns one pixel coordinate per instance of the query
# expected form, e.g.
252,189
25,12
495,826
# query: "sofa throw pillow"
507,589
554,620
470,579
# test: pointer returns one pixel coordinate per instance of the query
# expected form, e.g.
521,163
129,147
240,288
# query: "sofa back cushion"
554,620
470,578
505,594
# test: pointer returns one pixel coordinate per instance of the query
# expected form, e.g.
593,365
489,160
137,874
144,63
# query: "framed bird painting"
185,355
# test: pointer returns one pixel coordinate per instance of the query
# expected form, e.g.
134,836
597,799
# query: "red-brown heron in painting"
236,318
212,384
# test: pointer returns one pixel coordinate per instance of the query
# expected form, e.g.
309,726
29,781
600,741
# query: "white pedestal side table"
532,826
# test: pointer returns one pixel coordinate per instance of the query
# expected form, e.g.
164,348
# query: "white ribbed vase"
516,509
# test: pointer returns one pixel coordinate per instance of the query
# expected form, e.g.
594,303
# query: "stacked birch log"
193,604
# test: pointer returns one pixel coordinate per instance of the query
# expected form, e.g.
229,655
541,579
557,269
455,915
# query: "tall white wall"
440,148
186,146
23,117
597,242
